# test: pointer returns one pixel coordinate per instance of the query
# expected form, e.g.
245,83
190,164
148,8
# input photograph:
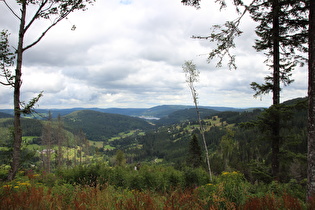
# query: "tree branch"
36,14
61,17
11,10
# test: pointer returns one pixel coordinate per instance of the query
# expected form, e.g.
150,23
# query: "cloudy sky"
129,53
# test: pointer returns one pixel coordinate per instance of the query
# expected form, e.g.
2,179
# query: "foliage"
6,59
153,187
120,159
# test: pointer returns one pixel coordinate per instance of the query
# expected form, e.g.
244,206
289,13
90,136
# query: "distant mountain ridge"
156,111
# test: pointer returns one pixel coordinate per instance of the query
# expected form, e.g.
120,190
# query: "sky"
129,54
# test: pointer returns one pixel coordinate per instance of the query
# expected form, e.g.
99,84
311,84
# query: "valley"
85,136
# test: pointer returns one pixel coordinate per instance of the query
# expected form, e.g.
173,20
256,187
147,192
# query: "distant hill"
156,111
184,115
123,111
163,110
5,115
100,126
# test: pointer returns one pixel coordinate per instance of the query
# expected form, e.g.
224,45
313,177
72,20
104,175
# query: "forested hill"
5,115
100,126
185,115
156,111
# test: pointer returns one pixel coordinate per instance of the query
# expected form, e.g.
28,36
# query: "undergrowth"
152,187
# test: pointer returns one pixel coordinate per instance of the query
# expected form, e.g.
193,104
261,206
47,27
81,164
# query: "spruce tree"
311,105
281,31
194,159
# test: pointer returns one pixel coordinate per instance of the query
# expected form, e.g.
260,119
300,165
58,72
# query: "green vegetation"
65,157
99,186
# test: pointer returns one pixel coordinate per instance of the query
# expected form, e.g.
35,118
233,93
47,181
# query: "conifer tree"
311,105
194,159
281,33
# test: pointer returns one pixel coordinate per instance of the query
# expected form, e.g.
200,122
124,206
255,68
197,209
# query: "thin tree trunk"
311,105
202,131
60,141
276,91
48,143
16,154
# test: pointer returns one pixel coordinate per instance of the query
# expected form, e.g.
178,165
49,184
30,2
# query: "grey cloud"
130,54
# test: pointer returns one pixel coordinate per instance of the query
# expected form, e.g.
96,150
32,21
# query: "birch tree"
192,76
30,12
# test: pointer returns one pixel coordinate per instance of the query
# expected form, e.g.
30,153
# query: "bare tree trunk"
16,154
60,137
311,105
68,160
46,142
49,141
192,75
204,140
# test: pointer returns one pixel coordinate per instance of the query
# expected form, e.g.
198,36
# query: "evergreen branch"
224,36
29,108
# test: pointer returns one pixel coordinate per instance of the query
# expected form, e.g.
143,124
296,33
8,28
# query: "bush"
195,177
149,177
227,191
235,186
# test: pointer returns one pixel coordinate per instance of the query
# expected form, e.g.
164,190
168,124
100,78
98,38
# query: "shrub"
235,186
195,177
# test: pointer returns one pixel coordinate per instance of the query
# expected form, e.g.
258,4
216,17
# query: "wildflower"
7,186
16,187
25,184
225,173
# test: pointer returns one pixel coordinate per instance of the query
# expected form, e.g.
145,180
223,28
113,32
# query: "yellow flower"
16,187
7,186
225,173
25,184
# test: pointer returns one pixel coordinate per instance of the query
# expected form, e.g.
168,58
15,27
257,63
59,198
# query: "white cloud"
130,54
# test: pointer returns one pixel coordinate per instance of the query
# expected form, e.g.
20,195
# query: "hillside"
100,126
30,127
241,148
5,115
185,115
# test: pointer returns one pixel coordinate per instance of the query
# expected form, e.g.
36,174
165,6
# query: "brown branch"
36,14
